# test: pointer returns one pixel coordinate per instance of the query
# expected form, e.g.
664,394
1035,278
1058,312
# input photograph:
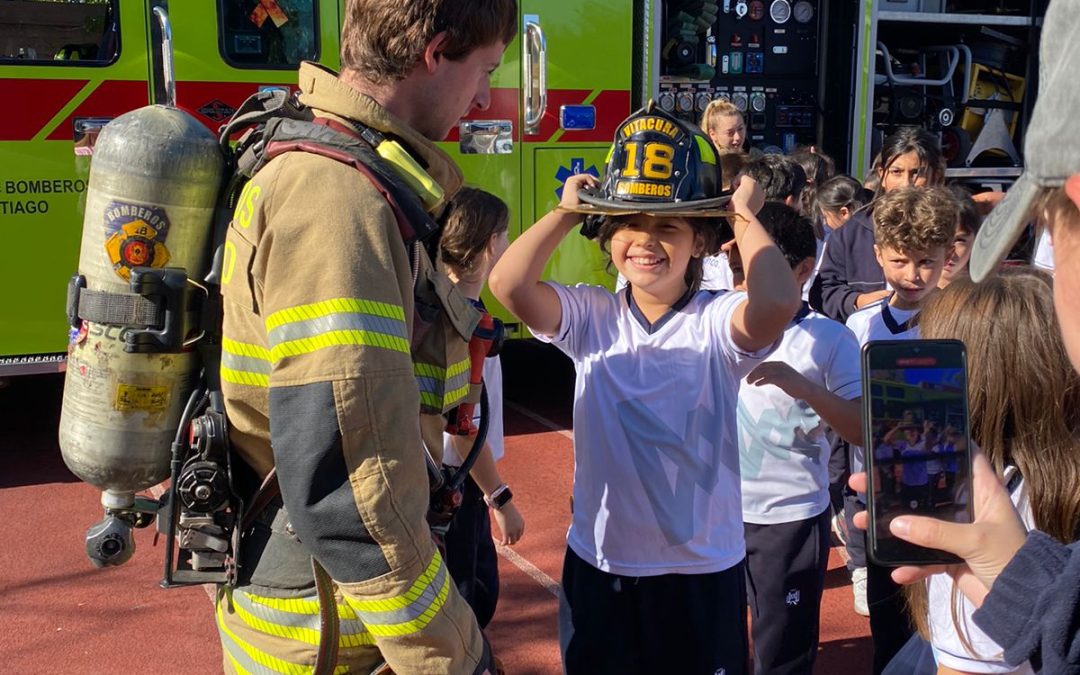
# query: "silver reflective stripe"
352,626
458,381
308,328
247,364
413,610
276,616
236,653
429,384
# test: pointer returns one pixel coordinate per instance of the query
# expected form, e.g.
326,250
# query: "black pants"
691,624
470,554
785,577
890,626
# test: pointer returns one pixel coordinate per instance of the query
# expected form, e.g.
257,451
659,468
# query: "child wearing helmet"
653,577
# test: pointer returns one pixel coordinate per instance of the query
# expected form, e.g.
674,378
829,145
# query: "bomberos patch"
135,236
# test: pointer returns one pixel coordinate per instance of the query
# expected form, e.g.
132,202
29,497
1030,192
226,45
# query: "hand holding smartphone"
918,458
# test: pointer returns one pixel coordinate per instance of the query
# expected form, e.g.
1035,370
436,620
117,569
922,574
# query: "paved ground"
60,615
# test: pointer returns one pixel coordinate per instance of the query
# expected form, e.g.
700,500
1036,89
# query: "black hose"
458,479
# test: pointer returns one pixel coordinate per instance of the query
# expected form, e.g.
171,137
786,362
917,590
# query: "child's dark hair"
818,169
791,232
780,177
472,218
970,218
912,139
838,192
713,233
732,162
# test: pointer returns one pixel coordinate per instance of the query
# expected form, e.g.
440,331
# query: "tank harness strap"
106,307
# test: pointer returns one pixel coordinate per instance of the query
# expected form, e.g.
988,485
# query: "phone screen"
917,445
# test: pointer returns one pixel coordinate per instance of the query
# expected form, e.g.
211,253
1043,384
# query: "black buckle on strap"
167,287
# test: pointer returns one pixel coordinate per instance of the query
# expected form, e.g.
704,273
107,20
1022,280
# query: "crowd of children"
716,414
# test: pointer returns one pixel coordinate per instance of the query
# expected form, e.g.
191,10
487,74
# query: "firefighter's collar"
321,89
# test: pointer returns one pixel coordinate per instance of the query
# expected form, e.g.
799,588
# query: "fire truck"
67,68
577,68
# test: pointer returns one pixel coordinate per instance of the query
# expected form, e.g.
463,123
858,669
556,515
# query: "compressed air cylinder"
154,180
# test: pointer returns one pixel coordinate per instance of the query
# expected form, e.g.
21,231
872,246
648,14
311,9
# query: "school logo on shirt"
650,438
793,597
780,435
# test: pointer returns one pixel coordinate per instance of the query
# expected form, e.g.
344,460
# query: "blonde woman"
723,123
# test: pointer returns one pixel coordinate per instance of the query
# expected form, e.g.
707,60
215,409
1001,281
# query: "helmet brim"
701,208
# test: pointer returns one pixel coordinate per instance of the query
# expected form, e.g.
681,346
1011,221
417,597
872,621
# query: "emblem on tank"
135,236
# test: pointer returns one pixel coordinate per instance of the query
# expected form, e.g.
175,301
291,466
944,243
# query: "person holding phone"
1018,371
914,229
1028,584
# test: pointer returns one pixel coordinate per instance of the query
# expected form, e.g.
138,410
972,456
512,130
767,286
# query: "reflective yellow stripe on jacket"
441,388
308,328
342,321
244,363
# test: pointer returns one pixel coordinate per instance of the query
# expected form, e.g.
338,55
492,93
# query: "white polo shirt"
656,461
880,321
783,449
985,655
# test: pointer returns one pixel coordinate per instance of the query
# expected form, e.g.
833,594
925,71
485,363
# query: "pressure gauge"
780,11
702,101
738,99
667,101
803,11
684,102
757,102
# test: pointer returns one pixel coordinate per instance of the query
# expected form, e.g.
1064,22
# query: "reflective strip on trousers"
442,388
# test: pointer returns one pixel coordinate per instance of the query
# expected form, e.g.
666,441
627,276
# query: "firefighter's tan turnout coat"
322,381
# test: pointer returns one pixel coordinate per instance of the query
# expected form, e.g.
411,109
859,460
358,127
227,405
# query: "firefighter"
320,367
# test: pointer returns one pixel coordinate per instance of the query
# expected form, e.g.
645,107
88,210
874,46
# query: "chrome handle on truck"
534,64
167,71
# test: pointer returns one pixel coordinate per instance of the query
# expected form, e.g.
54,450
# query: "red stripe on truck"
612,107
32,103
112,98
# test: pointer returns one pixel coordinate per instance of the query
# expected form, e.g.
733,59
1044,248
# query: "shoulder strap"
320,138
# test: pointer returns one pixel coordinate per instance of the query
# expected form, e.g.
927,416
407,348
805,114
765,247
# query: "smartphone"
915,425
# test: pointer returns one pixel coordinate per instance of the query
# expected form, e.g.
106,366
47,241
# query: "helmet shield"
658,164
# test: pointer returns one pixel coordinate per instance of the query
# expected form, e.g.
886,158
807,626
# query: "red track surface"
60,615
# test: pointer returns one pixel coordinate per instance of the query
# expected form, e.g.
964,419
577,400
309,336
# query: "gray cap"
1052,141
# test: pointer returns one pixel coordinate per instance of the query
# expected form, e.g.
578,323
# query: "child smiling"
653,578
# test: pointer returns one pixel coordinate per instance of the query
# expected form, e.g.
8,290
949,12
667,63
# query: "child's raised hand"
748,196
573,184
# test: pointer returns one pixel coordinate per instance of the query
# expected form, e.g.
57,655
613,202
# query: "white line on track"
534,572
562,431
